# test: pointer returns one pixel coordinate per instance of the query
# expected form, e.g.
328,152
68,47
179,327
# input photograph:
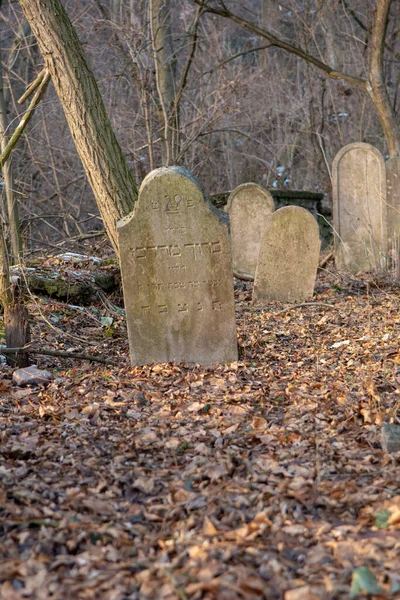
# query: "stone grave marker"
288,259
359,208
393,205
249,206
177,274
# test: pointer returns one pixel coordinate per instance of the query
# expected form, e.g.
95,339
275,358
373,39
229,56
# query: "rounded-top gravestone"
177,274
359,208
288,258
248,206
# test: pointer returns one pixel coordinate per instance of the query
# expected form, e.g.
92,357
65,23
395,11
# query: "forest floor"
263,478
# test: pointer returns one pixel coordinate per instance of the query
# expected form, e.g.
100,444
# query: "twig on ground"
280,312
324,261
105,361
243,276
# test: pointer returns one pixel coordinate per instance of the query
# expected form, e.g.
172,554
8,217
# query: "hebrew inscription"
177,274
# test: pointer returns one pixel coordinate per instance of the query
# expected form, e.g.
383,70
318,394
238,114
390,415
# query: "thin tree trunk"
375,83
18,334
105,165
165,68
12,218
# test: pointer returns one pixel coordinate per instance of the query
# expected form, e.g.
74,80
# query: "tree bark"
18,334
375,83
165,69
106,168
12,219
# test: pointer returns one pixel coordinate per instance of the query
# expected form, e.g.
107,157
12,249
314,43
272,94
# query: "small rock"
390,437
140,398
31,376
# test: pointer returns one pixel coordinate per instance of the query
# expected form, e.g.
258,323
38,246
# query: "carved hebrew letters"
176,272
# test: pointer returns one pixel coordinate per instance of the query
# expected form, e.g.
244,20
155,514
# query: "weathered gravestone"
359,208
249,205
393,205
177,274
288,259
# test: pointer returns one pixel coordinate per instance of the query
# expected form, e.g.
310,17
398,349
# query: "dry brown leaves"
261,479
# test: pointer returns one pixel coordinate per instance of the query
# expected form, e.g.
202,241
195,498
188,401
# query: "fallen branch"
324,261
105,361
280,312
243,276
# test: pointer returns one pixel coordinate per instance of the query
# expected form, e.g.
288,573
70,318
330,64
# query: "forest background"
184,86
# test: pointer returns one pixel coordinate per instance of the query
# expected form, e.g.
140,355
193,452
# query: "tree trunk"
11,213
18,334
105,165
16,322
165,68
375,83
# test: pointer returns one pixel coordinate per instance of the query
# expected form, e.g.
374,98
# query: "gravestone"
249,205
177,274
393,205
288,259
359,208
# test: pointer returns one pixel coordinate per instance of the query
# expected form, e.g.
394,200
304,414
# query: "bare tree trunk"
375,84
5,289
105,165
18,333
165,68
16,322
11,214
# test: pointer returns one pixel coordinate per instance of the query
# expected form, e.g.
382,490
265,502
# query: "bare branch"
278,43
25,119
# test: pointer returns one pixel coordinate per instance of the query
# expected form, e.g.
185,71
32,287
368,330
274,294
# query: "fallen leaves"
260,479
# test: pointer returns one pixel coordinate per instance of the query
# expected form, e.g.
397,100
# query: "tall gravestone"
249,206
177,274
359,208
288,259
393,205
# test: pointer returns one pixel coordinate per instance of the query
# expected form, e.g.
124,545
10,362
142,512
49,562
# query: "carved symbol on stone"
217,305
155,205
140,252
173,204
145,309
162,308
182,307
199,306
216,247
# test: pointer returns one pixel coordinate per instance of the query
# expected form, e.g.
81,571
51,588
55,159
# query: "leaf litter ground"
260,479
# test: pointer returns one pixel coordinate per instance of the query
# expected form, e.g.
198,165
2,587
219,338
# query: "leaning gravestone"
393,205
288,259
359,208
249,205
177,274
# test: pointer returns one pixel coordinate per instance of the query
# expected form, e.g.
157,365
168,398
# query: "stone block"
177,274
288,259
31,376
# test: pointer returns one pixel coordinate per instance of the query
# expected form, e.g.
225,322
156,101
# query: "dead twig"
243,276
44,352
324,261
302,304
